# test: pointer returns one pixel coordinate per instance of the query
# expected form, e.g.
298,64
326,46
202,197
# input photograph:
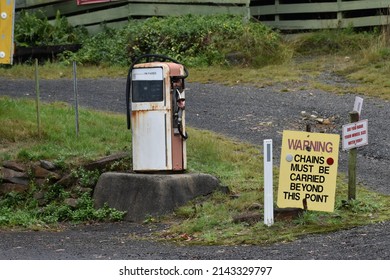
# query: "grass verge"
207,220
239,166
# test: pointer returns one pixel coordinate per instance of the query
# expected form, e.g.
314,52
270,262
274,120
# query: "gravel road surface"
241,112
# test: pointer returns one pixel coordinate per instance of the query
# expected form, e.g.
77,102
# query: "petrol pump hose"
178,110
128,87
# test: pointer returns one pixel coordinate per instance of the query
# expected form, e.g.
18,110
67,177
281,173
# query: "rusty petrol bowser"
155,100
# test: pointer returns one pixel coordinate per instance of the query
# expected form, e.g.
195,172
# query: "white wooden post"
76,98
268,183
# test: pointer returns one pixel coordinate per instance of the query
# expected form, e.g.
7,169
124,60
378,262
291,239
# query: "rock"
20,181
14,166
12,176
40,172
78,189
67,181
249,218
305,115
72,202
40,197
105,162
9,187
255,206
143,195
7,174
287,213
47,165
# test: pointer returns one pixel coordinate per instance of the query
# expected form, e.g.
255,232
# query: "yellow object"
308,170
7,9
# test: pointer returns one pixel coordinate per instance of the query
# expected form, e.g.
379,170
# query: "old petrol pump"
155,99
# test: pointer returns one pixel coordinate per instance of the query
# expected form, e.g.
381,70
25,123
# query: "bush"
34,29
337,42
193,40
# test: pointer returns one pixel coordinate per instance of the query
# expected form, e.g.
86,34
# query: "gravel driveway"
242,112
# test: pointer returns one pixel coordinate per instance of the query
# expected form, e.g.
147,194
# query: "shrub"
34,29
339,42
193,40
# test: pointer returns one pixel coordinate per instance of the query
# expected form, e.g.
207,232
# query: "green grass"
57,142
202,221
58,138
239,166
52,71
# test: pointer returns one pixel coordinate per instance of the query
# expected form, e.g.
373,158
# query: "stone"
14,166
79,189
48,165
72,202
41,181
287,214
105,162
12,176
19,181
40,172
40,197
145,195
7,173
255,206
249,218
9,187
67,181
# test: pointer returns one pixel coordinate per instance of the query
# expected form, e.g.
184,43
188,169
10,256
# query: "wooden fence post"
352,159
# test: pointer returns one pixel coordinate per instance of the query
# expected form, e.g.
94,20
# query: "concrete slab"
143,195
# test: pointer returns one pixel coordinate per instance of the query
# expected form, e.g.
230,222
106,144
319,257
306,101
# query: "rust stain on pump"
158,142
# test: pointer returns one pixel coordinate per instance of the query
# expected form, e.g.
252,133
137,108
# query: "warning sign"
308,170
6,31
355,134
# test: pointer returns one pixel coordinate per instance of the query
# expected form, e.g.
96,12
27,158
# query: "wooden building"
280,14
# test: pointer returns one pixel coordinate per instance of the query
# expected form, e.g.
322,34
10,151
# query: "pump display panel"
147,85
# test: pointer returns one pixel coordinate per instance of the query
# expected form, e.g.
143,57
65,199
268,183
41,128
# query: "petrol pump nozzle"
180,99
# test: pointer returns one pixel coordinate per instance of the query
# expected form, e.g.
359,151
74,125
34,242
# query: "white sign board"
357,106
355,134
147,74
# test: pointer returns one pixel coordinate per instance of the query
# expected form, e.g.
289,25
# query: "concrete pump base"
144,195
